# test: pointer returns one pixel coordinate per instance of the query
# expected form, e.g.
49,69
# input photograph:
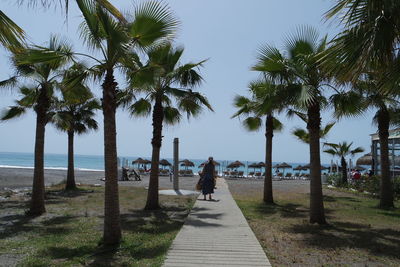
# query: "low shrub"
365,184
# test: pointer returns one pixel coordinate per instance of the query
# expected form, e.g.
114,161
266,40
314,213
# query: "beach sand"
14,178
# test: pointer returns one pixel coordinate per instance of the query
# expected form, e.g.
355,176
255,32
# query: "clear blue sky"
228,32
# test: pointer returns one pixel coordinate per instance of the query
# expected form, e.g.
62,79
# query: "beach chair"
225,173
250,174
257,174
189,173
233,174
182,172
240,174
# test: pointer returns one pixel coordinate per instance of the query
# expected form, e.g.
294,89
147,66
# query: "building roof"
393,134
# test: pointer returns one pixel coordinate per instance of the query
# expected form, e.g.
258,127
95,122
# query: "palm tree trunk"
317,213
70,173
386,190
37,206
269,133
344,171
112,228
152,195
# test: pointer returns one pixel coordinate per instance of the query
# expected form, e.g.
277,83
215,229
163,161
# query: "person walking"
208,174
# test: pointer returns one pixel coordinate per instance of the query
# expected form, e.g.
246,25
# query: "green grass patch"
70,231
358,232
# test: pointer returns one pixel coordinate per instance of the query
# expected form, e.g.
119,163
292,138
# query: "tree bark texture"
71,185
344,170
112,228
37,206
269,133
317,212
386,190
158,116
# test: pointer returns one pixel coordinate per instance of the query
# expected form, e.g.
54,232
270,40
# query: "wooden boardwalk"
216,234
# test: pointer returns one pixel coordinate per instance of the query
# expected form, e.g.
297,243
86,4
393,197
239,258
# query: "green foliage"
366,184
164,77
11,35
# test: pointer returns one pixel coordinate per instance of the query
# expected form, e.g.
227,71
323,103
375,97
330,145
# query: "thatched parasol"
365,160
204,163
283,166
298,168
164,163
254,165
187,163
235,164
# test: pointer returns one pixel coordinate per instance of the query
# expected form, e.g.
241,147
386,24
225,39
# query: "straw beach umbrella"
139,161
284,166
254,165
365,160
186,163
235,164
164,163
204,163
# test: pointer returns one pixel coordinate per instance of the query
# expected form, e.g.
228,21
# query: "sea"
96,163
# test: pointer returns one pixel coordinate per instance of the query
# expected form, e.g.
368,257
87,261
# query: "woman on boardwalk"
208,174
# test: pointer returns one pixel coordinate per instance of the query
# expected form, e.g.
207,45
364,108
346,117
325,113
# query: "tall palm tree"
342,150
74,114
299,66
11,35
165,81
266,99
37,94
362,97
370,37
152,22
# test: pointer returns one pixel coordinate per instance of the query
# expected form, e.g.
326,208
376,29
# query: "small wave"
15,167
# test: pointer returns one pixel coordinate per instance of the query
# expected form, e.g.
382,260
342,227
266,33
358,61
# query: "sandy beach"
13,178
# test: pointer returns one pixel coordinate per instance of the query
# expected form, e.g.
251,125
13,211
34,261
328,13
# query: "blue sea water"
93,162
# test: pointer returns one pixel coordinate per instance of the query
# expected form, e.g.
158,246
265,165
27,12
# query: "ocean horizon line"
149,157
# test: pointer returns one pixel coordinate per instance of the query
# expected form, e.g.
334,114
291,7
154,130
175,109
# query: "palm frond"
11,35
153,22
252,123
13,112
140,108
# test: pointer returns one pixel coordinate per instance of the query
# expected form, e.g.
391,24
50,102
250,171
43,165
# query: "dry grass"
70,232
358,233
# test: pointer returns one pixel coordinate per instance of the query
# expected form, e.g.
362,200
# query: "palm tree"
11,35
116,40
164,81
74,115
299,68
266,99
370,37
364,96
342,150
37,95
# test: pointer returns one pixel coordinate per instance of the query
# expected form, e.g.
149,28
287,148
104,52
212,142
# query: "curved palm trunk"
317,213
152,195
37,206
386,190
269,133
70,173
112,228
344,170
